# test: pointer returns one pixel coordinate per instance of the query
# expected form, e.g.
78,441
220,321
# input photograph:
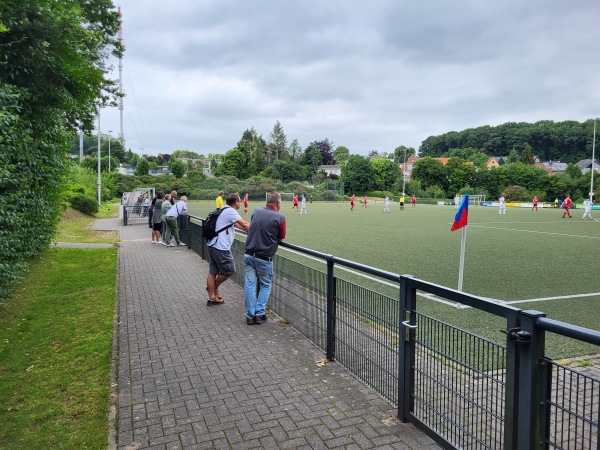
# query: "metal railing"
462,389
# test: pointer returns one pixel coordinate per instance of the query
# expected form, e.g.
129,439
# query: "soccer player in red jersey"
567,206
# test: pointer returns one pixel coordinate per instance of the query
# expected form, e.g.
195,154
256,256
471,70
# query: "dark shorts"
157,226
401,203
221,262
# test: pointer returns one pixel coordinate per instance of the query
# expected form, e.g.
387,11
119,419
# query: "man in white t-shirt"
221,263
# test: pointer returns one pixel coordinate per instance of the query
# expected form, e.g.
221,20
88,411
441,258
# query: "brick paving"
188,376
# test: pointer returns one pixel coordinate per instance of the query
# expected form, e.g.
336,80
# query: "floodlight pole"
99,165
404,174
593,160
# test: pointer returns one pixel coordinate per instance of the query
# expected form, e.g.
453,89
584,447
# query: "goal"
474,200
285,196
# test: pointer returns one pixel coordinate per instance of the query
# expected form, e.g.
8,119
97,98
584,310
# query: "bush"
84,203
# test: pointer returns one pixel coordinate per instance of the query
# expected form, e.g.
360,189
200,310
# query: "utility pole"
99,165
109,136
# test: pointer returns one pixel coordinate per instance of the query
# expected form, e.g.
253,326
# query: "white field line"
441,300
534,231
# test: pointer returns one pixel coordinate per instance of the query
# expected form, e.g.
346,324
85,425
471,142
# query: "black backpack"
209,228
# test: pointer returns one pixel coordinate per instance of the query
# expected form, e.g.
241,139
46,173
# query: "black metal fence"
462,389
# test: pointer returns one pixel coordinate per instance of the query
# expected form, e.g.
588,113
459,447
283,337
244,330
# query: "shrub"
84,203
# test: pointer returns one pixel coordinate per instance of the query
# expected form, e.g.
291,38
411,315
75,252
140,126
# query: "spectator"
221,263
267,230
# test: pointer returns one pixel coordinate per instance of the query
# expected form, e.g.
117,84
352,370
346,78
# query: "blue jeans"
257,270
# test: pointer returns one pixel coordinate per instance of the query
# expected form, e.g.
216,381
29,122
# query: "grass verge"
76,226
55,351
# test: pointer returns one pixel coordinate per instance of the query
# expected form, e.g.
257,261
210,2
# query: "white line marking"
560,297
537,232
441,300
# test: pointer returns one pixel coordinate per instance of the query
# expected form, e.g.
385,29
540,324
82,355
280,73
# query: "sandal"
217,295
214,301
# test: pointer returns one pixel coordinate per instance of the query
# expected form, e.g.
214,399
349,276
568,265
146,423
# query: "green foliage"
517,194
177,168
52,75
385,173
287,171
568,141
341,154
357,175
234,164
527,156
430,172
84,203
435,192
142,168
312,158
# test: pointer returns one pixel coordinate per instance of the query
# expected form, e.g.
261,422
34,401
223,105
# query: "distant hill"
568,141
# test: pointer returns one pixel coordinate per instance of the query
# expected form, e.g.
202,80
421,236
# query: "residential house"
585,165
330,169
492,163
407,168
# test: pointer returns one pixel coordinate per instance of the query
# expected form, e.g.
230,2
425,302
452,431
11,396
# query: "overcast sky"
366,75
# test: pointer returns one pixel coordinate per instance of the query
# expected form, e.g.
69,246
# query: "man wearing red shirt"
567,206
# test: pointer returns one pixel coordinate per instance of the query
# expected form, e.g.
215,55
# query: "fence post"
330,346
531,345
202,240
511,384
407,308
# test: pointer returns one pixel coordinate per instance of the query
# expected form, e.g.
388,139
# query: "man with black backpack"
221,263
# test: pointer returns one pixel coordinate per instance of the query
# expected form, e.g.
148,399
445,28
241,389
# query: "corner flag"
460,219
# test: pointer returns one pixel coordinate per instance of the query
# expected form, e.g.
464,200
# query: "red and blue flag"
460,219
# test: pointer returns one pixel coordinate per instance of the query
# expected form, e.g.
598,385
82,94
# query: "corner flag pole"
461,268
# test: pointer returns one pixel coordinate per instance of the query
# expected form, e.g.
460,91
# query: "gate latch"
517,334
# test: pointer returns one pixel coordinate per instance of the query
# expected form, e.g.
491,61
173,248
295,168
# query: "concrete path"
190,376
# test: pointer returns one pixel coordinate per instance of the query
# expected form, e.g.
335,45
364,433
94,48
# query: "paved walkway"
190,376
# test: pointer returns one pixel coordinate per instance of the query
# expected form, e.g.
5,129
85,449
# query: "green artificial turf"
521,256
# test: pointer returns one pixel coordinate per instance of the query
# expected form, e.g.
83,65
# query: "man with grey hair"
171,221
267,230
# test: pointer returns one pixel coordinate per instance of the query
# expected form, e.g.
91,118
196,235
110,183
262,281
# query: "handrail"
569,330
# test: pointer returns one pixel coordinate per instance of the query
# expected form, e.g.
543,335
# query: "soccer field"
531,260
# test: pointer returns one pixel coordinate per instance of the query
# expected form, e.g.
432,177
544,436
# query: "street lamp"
109,137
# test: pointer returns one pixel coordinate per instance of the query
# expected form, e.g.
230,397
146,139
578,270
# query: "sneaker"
170,245
162,243
181,244
249,321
